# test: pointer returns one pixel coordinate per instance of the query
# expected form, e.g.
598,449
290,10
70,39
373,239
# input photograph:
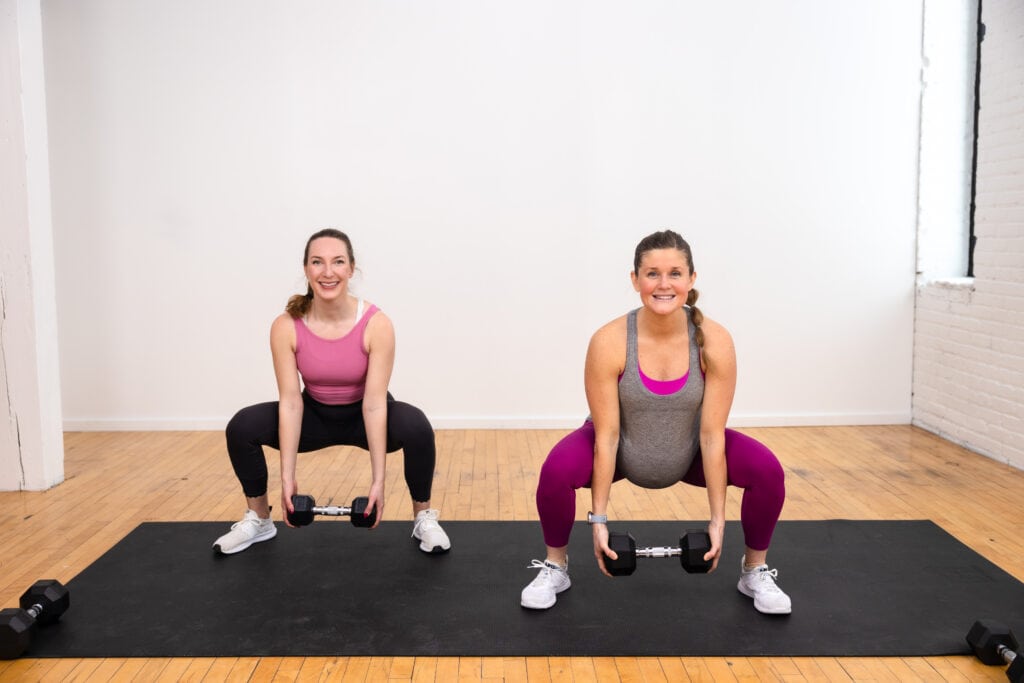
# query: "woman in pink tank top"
333,356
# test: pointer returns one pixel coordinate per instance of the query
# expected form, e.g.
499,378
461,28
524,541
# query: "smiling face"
663,279
328,267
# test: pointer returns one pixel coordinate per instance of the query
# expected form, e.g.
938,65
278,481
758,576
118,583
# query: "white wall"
31,437
495,164
969,341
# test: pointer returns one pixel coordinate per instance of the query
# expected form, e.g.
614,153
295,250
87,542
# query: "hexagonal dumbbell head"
985,637
694,545
624,546
359,516
52,598
16,630
303,513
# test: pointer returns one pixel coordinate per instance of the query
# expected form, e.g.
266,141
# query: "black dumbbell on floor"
692,547
41,604
994,643
306,508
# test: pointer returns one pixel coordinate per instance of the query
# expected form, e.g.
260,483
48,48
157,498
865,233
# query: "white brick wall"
969,336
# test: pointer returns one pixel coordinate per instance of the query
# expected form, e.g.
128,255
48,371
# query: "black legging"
326,425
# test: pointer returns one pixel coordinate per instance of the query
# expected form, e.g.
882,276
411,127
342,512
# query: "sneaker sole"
784,610
549,605
436,550
240,548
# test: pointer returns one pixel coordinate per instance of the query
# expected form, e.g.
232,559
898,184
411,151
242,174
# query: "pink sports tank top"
333,370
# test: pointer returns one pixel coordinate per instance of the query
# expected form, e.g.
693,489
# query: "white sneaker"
243,534
759,583
429,533
542,591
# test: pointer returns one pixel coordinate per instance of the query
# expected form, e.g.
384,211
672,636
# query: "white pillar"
31,434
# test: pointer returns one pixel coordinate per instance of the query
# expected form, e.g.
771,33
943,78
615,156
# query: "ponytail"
298,304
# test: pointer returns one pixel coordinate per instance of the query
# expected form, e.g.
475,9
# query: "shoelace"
425,523
247,520
545,570
769,576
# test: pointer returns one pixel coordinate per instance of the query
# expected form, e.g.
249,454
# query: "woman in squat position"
660,383
343,350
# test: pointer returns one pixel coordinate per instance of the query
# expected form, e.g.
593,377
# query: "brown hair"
667,239
298,305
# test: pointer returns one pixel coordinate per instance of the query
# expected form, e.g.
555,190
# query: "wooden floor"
114,481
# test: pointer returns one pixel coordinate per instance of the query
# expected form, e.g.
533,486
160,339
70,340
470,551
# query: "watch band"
596,519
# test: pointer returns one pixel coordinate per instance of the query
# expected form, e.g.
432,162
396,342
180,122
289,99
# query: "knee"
235,431
419,423
409,420
251,428
771,476
557,474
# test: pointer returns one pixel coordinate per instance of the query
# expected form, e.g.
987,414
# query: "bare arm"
282,347
718,359
605,360
380,344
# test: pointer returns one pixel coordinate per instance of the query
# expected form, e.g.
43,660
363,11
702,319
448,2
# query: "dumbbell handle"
332,510
1006,653
659,552
35,610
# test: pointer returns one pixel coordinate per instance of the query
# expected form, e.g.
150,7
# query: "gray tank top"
659,435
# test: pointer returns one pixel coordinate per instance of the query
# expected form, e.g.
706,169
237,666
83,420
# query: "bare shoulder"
610,333
608,345
715,333
719,348
379,321
283,324
282,334
380,333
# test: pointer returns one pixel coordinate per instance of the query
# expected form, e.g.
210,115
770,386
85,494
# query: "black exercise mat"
859,588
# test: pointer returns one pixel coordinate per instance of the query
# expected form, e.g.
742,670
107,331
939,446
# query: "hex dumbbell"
994,643
41,604
306,508
692,547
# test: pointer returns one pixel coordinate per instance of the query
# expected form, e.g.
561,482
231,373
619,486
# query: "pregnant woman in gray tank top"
660,382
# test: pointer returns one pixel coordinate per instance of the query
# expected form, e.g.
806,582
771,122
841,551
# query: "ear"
635,280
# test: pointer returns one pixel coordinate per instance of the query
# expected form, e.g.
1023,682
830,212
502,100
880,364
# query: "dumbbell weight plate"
695,544
359,516
303,510
624,546
985,637
16,630
51,595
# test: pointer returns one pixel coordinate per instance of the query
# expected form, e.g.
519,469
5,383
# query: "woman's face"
328,268
664,280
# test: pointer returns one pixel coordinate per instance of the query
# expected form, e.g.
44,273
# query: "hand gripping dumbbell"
306,508
692,548
41,604
994,643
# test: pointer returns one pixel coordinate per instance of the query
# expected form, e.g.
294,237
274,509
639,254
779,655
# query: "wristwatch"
596,519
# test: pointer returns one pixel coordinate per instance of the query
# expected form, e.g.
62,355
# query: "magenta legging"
751,467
